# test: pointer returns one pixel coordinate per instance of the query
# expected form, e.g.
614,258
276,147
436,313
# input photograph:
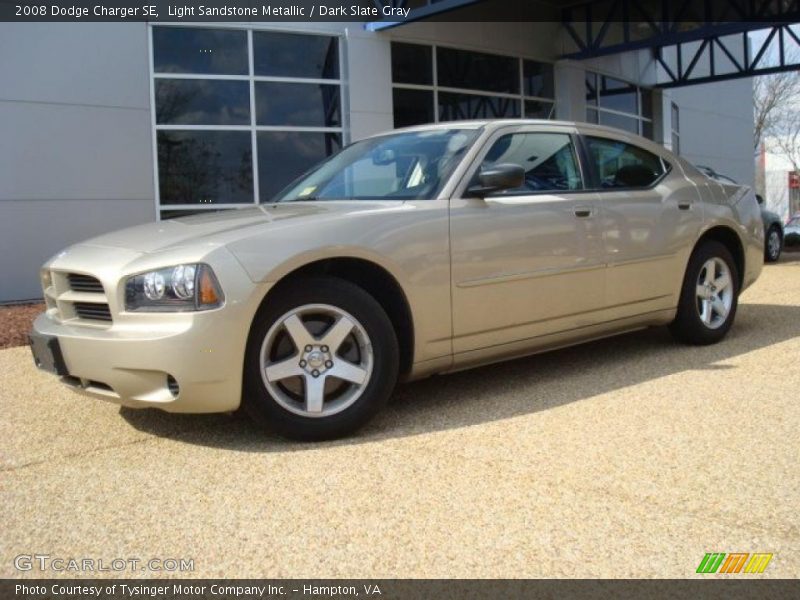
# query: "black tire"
688,327
769,254
262,406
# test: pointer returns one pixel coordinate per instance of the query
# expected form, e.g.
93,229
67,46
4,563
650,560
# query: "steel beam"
678,63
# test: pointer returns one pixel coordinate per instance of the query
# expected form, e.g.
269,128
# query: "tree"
786,139
775,99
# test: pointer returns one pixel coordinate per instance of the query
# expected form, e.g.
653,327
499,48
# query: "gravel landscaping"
15,323
628,457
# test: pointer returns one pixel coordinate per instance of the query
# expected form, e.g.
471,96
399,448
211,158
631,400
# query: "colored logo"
737,562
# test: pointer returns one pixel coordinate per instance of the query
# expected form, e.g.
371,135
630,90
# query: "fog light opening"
173,387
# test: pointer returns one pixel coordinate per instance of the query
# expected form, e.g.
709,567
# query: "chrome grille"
84,283
92,311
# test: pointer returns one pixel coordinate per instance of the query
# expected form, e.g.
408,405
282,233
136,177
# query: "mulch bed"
15,323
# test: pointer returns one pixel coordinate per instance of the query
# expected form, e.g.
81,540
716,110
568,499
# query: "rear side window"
549,161
622,165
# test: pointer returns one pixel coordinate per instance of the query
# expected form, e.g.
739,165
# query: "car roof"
493,124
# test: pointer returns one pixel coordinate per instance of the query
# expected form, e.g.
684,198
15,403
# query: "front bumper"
175,361
133,366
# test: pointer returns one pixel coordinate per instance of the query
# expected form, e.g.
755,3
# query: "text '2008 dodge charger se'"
421,251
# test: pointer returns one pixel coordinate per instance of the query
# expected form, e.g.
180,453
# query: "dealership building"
106,125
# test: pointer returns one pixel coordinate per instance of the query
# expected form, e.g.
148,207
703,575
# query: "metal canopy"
720,57
693,41
601,27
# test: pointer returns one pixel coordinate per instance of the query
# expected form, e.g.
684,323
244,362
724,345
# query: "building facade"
107,125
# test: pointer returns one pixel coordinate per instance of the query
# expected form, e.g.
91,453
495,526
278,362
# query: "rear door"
650,217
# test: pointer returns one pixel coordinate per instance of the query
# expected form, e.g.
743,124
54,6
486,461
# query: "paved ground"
628,457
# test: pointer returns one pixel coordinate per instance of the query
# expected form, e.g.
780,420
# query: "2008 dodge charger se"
421,251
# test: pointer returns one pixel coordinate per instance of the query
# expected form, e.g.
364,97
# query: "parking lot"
629,457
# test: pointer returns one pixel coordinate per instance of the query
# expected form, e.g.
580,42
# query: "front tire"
322,358
773,244
709,296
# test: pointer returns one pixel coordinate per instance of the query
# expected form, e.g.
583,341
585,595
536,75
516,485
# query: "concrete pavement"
629,457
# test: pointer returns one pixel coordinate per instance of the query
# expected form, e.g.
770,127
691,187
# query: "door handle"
684,205
583,211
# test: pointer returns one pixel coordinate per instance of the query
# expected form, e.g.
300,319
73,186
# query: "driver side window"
549,161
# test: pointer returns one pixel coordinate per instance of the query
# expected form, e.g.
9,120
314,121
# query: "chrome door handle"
583,211
684,205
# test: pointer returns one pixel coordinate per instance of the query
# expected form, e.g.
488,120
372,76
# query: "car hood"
220,228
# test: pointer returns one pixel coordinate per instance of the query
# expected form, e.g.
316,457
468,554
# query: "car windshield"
410,165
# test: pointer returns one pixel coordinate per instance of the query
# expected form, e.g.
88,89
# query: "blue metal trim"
674,75
416,14
664,17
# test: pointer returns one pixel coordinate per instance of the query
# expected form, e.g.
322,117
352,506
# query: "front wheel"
322,358
709,297
774,245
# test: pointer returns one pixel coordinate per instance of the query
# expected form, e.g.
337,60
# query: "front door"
529,261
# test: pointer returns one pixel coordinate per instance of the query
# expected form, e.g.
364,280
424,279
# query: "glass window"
285,155
626,123
412,63
297,104
210,164
202,102
177,214
676,129
617,103
295,55
205,167
200,50
535,109
621,165
591,89
647,103
457,107
538,79
412,107
549,161
477,71
410,165
619,95
512,87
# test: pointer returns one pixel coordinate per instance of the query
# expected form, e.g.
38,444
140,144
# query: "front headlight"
179,288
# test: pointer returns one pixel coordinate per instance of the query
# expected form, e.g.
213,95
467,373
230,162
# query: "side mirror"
760,199
504,176
383,157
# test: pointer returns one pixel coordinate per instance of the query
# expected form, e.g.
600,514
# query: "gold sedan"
421,251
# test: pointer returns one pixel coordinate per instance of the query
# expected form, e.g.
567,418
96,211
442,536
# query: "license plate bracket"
47,354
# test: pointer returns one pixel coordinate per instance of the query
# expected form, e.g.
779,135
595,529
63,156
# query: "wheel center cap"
315,359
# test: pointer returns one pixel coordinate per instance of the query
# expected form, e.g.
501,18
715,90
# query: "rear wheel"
322,358
709,296
773,245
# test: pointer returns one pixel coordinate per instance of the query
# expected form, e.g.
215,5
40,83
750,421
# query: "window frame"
675,128
475,163
598,109
594,176
250,28
434,87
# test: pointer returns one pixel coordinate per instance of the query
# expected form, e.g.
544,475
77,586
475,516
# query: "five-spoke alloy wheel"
709,297
322,358
317,360
714,293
